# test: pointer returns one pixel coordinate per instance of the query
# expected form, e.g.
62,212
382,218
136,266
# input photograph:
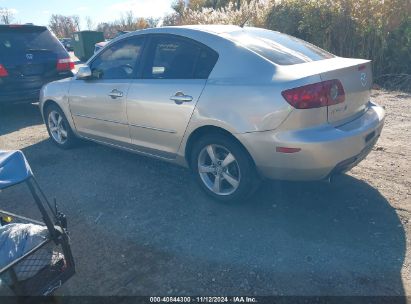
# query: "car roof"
215,30
31,26
211,28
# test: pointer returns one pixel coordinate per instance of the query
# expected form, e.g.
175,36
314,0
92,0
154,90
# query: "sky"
39,11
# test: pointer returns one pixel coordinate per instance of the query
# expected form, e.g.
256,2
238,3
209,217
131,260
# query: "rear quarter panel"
243,92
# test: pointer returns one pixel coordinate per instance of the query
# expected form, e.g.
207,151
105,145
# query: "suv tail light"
316,95
3,71
65,64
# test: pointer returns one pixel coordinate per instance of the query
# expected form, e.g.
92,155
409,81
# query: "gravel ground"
141,226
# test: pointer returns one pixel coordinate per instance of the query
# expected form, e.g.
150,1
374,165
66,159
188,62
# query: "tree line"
6,15
64,26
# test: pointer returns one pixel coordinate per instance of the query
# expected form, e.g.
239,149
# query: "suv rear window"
279,48
21,39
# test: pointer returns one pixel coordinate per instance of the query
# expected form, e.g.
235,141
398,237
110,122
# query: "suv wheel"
223,168
59,128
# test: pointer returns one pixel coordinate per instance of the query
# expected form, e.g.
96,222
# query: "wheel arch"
66,112
206,130
46,104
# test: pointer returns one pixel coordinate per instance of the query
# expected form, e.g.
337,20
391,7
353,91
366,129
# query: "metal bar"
21,217
68,255
43,211
44,196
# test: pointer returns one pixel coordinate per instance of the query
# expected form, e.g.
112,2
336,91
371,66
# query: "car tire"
58,128
223,168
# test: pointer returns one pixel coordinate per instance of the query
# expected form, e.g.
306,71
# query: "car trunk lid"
355,76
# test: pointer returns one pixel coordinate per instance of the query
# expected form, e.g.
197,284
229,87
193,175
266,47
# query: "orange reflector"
287,150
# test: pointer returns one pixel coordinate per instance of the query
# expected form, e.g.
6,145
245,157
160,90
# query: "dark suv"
30,56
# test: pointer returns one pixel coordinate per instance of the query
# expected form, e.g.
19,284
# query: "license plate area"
33,69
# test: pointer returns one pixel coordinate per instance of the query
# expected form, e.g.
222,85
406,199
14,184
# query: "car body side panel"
57,92
157,122
96,114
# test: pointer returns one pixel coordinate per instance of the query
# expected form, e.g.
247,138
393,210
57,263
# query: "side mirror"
84,72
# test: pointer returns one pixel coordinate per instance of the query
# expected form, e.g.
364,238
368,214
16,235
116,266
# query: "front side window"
172,57
119,61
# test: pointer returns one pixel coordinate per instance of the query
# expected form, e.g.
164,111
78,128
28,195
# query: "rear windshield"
21,39
279,48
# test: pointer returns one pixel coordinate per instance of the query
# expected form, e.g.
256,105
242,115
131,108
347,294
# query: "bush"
372,29
253,12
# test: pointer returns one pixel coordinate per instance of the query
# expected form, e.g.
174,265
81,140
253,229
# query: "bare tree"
6,16
76,22
127,22
152,22
89,23
64,26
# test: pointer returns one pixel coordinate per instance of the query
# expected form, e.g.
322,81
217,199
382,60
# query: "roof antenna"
246,20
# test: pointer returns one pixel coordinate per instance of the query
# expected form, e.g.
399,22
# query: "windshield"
279,48
22,39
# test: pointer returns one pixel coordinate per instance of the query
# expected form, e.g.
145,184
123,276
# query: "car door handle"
115,94
180,97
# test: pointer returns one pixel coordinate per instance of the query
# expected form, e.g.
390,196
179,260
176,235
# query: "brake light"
3,71
316,95
65,64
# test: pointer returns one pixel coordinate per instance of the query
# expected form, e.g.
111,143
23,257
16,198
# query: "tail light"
316,95
65,64
3,71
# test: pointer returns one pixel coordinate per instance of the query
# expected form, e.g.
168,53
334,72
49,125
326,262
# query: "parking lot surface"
140,226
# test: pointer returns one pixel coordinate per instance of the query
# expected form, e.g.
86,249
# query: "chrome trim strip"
132,125
107,120
155,129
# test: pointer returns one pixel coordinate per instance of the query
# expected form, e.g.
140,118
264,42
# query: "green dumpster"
83,43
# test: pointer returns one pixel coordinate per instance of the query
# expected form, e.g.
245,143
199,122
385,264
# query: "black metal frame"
57,234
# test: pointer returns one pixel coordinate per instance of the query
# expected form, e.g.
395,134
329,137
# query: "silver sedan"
233,104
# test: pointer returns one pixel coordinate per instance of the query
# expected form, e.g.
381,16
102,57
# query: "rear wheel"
223,168
59,128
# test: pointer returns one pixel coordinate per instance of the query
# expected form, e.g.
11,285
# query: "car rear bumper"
22,96
19,93
325,150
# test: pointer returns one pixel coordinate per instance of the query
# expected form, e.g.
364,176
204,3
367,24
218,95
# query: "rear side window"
172,57
205,63
24,39
279,48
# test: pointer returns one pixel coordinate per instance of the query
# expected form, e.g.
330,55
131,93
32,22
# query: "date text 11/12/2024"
169,299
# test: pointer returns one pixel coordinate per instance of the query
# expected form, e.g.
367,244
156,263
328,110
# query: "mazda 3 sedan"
233,104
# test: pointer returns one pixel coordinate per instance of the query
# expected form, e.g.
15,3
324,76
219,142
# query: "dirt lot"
141,226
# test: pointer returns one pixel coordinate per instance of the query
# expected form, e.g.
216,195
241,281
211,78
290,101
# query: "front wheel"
223,168
59,128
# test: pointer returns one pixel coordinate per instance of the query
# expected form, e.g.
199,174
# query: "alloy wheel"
219,169
57,127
